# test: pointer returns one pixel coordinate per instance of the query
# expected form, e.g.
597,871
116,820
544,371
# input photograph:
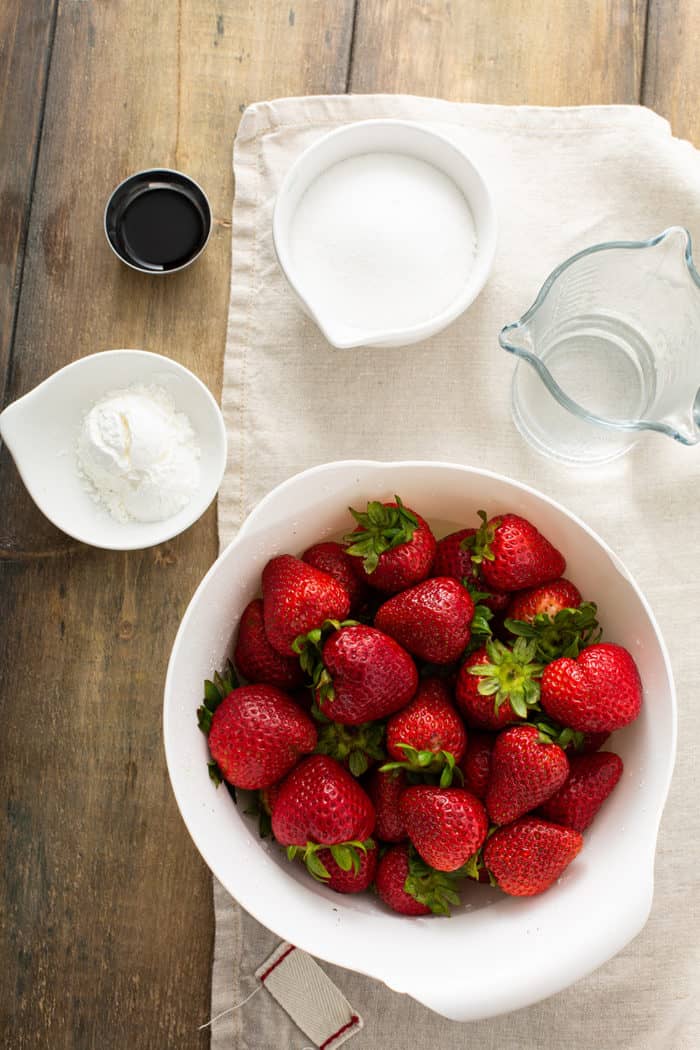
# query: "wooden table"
107,912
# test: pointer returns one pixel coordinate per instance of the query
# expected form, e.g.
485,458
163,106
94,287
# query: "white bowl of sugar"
385,231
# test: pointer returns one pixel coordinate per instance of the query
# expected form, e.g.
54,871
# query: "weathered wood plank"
106,903
25,46
671,83
501,51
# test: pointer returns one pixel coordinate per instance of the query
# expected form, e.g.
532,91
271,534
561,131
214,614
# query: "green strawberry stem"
356,745
480,543
214,692
565,634
435,889
382,529
510,675
309,648
442,762
345,854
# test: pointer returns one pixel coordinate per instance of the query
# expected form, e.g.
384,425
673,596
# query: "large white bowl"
496,953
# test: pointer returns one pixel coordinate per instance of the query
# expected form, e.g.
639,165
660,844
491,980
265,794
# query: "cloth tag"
309,996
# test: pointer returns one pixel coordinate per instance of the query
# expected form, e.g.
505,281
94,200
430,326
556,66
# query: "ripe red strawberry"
497,685
446,825
525,771
395,544
333,558
476,763
430,620
428,734
454,558
358,877
526,857
590,781
257,735
321,804
256,659
598,692
409,886
297,598
366,676
545,600
385,790
513,554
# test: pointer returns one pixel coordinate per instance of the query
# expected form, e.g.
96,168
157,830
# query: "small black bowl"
158,221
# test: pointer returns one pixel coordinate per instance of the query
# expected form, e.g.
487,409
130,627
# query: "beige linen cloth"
562,179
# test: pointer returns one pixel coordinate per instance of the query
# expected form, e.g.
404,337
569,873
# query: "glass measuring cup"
610,347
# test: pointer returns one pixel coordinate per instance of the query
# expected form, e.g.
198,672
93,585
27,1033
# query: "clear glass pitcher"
609,348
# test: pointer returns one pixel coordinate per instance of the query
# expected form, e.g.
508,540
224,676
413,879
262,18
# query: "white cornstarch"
382,241
139,455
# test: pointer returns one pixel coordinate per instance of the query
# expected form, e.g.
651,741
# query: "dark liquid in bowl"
162,227
158,220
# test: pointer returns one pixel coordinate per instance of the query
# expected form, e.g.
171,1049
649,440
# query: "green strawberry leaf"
435,889
511,675
214,693
342,856
480,543
565,634
316,867
357,763
553,733
424,763
489,686
472,867
383,528
211,694
214,773
356,746
309,649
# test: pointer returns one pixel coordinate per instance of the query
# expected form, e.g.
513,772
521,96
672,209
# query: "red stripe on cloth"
353,1020
282,957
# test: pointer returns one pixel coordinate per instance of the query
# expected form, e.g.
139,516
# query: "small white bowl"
41,430
385,136
496,953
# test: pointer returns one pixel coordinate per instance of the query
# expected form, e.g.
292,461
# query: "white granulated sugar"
138,455
382,241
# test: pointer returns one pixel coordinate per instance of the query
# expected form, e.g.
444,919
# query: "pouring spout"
517,339
685,426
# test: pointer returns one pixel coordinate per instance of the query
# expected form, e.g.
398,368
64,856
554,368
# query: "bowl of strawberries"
436,732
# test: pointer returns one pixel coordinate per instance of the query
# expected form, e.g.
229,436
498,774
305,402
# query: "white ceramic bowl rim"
622,894
486,248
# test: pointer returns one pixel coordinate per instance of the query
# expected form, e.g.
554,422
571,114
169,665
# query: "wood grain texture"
671,82
26,32
503,51
106,903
